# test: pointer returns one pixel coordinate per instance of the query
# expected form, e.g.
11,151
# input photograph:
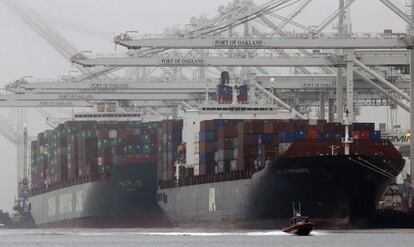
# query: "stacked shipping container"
245,145
78,149
169,138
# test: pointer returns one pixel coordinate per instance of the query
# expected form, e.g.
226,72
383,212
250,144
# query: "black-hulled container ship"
97,174
251,171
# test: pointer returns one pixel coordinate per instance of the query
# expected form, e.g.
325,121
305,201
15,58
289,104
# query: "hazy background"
24,53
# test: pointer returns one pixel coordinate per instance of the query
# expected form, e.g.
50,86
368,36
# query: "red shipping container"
103,134
225,143
118,150
175,125
250,128
320,128
207,125
206,148
269,128
248,140
105,159
312,134
133,139
364,135
62,142
227,132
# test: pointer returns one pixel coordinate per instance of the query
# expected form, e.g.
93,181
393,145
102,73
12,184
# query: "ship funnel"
225,77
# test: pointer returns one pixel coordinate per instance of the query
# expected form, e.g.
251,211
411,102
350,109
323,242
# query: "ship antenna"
300,210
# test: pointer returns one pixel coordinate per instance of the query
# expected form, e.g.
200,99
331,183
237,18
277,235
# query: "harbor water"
201,238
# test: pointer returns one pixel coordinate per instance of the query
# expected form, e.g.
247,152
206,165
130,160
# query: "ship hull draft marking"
212,199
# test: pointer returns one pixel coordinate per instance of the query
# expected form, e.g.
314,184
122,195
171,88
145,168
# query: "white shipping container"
233,165
113,134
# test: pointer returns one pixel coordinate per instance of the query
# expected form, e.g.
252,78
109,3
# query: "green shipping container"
118,142
104,144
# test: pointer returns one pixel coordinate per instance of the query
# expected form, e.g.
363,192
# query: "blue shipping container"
218,123
301,135
175,136
243,90
357,126
326,136
206,137
376,135
223,90
138,149
206,159
265,139
286,137
335,136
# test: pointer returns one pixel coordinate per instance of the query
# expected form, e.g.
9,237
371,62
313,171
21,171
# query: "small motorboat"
299,225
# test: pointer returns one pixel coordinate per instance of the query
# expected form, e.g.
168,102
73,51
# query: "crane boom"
315,61
266,43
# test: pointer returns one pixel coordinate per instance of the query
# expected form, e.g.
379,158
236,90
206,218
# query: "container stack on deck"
207,138
248,133
245,145
169,138
90,149
78,149
226,145
37,173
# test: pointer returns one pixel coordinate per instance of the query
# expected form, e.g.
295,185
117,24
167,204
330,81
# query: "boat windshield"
299,219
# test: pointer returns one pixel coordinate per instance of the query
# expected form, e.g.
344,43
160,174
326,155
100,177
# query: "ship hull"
333,190
125,199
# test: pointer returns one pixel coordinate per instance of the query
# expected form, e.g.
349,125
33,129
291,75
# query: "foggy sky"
24,53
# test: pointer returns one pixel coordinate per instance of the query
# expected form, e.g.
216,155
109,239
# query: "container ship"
98,174
250,172
232,163
250,167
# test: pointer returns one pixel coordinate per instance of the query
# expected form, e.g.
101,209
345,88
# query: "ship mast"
347,141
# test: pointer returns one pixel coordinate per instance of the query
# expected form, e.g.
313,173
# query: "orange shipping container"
356,135
312,135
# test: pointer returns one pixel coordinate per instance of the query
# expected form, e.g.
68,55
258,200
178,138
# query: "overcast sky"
24,53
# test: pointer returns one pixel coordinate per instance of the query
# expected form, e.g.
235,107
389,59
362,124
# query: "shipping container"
206,126
376,135
286,137
206,137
